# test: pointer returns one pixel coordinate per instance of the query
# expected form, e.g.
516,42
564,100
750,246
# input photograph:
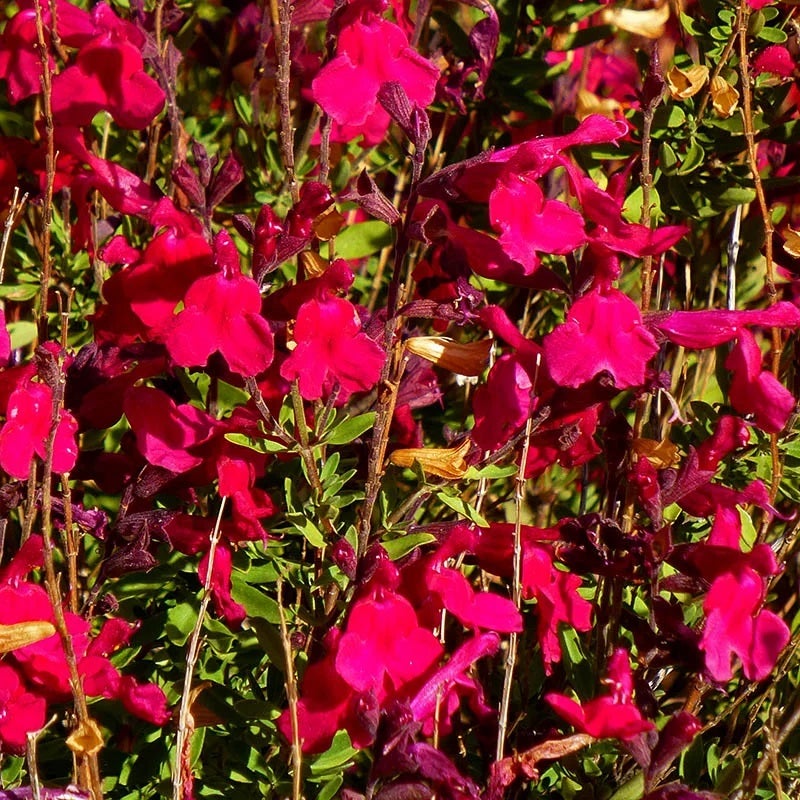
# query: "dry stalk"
182,770
87,760
50,167
752,158
281,11
292,697
14,213
516,592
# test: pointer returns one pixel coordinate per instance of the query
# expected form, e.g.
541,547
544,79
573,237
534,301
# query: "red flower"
108,76
29,419
736,624
21,711
222,313
331,349
166,433
529,223
370,52
603,331
614,716
756,391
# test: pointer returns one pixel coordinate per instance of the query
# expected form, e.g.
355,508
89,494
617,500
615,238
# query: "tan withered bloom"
86,739
328,224
687,82
20,634
791,242
660,454
313,263
464,359
589,103
649,23
724,98
445,462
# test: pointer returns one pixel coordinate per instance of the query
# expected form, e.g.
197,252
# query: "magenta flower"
331,349
20,64
108,76
222,313
775,59
603,331
165,432
614,716
737,625
384,647
22,711
756,391
701,329
29,418
529,223
370,51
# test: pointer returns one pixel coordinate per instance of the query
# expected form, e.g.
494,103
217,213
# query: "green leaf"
255,602
259,445
363,239
397,548
491,472
180,622
336,756
463,508
350,429
772,35
695,155
20,292
690,25
329,790
305,526
22,332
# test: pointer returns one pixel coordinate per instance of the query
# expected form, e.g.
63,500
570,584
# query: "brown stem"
50,169
87,759
752,157
182,770
281,24
516,592
292,697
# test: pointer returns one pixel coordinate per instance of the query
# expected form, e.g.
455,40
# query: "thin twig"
516,592
291,694
281,24
752,157
182,768
14,213
87,758
50,169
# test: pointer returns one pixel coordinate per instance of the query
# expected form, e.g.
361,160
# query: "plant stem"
292,697
182,772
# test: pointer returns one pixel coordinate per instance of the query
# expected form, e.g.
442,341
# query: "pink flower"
775,59
529,223
614,716
222,313
108,76
21,711
331,349
20,64
701,329
384,647
603,331
29,418
166,433
737,625
370,51
756,391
